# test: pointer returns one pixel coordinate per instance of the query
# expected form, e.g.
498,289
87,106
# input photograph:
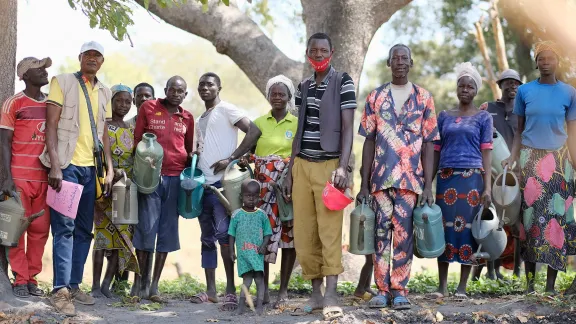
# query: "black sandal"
21,291
34,290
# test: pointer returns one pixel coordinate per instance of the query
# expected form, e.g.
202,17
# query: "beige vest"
69,125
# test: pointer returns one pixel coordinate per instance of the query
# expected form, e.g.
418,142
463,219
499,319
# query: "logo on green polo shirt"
288,134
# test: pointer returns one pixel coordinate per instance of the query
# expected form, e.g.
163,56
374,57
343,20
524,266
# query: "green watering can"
148,158
230,194
362,231
428,231
191,191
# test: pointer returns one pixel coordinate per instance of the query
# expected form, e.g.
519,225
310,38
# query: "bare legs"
158,267
443,278
141,285
258,277
365,281
98,261
286,266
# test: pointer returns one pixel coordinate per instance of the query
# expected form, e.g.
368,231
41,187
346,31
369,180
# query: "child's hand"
262,249
233,255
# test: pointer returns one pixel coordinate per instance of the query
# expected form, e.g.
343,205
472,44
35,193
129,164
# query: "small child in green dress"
250,230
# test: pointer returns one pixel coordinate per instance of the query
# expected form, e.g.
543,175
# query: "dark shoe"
21,291
34,290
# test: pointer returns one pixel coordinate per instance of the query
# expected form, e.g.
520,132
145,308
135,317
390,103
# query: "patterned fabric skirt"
547,185
268,170
458,193
108,236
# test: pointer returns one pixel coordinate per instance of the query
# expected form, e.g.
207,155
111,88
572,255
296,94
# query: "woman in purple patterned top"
462,154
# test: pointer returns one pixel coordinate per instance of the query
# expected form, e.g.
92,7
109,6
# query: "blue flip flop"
379,301
400,303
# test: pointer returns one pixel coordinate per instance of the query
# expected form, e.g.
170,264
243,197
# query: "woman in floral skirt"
545,151
463,154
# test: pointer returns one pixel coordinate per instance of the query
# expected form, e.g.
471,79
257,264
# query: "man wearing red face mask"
321,151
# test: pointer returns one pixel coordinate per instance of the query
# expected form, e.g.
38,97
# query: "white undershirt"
400,94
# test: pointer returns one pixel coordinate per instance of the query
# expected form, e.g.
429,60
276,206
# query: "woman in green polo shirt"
272,155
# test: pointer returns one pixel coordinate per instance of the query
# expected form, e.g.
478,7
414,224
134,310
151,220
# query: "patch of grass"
427,282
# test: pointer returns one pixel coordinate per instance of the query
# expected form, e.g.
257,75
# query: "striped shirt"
311,148
26,117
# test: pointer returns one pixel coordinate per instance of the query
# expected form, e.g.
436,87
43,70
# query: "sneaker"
62,301
80,297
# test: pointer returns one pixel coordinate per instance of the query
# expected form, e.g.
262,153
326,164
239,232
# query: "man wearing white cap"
22,125
77,108
506,123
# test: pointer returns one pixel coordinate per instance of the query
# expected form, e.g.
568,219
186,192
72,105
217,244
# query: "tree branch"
233,34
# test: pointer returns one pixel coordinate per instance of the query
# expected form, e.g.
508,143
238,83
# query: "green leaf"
146,3
72,4
205,7
226,2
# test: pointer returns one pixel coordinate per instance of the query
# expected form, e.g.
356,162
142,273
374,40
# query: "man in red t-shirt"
157,228
22,124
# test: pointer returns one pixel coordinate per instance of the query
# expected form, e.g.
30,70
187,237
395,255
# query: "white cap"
92,45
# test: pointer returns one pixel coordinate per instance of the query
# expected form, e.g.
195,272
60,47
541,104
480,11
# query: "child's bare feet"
259,307
241,306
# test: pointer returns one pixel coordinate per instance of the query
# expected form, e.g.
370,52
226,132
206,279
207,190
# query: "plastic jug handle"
127,197
194,161
233,163
16,196
504,182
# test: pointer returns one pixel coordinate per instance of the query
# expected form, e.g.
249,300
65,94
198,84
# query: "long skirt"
458,193
108,236
268,170
547,185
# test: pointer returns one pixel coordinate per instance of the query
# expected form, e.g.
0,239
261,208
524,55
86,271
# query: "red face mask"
320,66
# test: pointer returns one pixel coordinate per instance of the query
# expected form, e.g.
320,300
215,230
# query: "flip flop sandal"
34,290
21,291
401,303
461,297
302,310
380,301
157,299
435,295
202,298
229,299
281,303
332,312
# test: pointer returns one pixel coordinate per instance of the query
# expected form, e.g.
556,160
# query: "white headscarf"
467,69
291,106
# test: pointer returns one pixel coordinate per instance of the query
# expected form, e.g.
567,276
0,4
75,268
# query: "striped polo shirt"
26,117
310,146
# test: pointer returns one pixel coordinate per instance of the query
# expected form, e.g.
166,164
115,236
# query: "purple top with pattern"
462,139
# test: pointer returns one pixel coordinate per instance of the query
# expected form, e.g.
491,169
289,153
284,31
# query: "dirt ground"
506,309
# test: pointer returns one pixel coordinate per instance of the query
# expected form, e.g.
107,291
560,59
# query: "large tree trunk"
350,23
8,16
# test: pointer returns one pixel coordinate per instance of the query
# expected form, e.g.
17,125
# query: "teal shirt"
249,229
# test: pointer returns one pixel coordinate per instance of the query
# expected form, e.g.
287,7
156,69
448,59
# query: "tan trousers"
317,230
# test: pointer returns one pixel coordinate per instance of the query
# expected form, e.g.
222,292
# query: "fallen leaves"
522,318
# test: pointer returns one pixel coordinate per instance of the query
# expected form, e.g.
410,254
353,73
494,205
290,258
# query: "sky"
63,31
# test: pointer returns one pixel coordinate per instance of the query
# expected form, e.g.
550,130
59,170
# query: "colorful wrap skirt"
268,170
547,185
458,193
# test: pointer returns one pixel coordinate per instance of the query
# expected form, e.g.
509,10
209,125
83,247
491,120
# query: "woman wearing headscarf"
546,151
463,154
272,155
115,241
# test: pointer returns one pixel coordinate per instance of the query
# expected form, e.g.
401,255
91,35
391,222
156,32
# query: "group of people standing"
78,133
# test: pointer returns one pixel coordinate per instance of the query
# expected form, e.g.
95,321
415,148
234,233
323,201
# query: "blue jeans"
214,222
72,237
158,217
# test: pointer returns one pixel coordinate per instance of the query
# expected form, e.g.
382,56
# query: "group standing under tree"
78,133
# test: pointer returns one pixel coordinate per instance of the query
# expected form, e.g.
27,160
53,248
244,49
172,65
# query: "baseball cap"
509,74
28,63
92,45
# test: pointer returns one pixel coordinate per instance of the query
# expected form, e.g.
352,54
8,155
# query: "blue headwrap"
120,88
